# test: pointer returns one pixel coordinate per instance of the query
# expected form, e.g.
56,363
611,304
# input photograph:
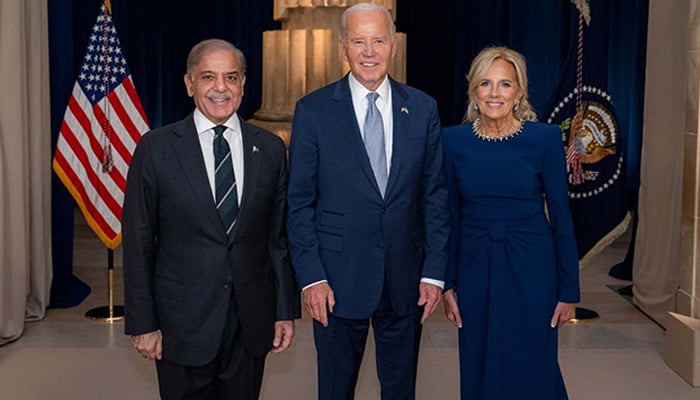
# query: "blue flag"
584,111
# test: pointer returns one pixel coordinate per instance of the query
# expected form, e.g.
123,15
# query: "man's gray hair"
365,7
206,46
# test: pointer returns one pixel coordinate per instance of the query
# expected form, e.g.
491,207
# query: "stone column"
688,294
306,55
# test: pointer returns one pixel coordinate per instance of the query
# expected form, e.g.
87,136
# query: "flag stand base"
105,314
584,315
109,313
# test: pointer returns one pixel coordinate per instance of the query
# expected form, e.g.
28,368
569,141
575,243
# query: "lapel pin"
256,150
404,110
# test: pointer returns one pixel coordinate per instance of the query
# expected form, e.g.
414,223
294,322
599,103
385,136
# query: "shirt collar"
359,92
202,124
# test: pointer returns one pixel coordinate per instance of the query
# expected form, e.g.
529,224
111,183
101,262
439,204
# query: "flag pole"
584,14
109,313
103,121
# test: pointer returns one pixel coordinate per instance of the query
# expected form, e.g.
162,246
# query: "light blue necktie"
374,141
225,180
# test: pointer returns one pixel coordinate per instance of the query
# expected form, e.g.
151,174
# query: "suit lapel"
402,126
189,153
252,159
352,137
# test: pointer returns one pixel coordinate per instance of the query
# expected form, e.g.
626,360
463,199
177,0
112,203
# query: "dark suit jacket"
179,265
340,228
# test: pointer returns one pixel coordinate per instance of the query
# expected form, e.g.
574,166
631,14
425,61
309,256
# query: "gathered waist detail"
498,230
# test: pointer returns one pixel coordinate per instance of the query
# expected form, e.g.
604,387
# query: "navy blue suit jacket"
340,228
179,265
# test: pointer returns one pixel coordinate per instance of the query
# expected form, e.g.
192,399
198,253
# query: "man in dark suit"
207,281
368,228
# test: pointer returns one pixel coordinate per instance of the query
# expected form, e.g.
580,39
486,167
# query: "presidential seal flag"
584,111
101,126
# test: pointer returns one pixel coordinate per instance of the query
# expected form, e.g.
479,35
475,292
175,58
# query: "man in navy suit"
208,296
367,248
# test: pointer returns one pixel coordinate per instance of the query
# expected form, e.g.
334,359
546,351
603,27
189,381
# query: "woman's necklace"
477,132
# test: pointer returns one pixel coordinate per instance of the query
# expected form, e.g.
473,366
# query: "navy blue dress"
510,260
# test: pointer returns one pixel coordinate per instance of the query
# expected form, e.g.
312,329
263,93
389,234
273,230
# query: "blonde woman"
513,271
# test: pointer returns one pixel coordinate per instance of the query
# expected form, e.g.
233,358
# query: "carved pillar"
306,55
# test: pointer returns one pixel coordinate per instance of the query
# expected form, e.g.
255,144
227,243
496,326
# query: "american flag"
101,126
573,158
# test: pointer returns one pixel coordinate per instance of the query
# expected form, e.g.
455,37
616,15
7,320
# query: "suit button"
227,284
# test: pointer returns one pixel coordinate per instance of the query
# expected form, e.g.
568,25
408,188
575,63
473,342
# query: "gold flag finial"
108,4
583,8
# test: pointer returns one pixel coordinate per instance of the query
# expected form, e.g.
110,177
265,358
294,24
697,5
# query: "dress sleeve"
557,198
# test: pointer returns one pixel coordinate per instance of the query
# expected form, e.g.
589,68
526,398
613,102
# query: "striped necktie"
374,141
225,181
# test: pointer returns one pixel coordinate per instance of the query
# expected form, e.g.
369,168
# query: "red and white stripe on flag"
103,122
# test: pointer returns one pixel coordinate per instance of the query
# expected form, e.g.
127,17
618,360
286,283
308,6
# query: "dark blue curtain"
443,37
66,289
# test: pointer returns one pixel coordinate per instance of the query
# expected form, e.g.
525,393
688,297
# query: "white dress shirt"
234,137
384,105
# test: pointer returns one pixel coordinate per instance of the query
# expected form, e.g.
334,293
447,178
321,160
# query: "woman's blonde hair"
482,62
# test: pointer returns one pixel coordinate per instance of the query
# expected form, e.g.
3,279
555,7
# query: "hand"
451,308
284,332
429,296
319,301
149,345
563,312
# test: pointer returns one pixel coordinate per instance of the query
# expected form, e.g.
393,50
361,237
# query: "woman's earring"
517,105
474,106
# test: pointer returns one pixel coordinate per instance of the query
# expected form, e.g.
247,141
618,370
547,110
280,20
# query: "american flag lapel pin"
256,150
404,110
